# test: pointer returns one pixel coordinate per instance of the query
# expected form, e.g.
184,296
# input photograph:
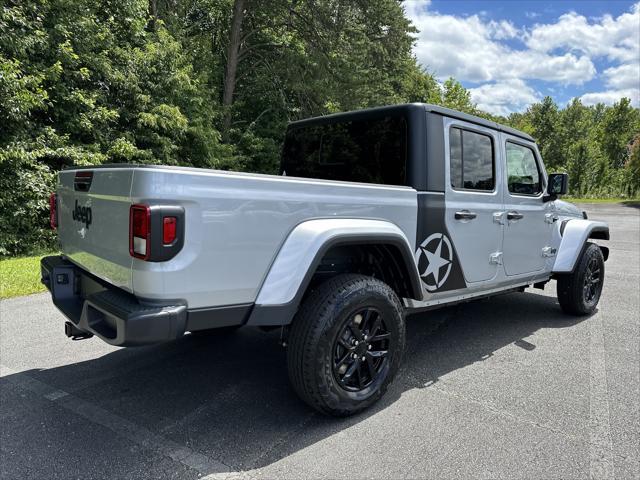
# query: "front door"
473,192
528,220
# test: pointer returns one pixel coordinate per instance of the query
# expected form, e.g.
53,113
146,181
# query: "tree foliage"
213,83
595,145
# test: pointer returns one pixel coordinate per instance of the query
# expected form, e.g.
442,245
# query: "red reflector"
53,211
84,174
168,230
139,231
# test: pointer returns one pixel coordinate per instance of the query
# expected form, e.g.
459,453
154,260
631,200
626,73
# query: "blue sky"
512,53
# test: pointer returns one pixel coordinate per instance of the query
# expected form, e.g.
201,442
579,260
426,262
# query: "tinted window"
522,170
370,151
471,160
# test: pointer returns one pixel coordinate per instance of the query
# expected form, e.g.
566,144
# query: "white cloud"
503,98
470,49
609,97
502,30
564,52
621,81
623,76
614,38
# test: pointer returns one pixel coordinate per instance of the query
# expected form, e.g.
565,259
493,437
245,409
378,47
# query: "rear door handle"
513,215
465,215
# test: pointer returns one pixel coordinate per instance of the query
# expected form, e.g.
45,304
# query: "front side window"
523,176
471,160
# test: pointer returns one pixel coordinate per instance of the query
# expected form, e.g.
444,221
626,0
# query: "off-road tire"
571,287
322,316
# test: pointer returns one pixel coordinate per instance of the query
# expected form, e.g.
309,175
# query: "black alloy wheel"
592,282
579,291
346,343
360,350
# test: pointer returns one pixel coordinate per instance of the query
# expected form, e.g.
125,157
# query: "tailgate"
93,221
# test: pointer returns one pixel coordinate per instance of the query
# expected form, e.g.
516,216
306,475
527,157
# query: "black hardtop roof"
406,107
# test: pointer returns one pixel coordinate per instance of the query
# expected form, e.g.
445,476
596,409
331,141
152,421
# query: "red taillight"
169,230
156,232
140,231
53,211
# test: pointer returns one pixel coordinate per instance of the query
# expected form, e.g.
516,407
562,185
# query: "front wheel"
346,344
579,292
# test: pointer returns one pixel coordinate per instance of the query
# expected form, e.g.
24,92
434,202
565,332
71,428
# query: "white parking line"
144,437
601,465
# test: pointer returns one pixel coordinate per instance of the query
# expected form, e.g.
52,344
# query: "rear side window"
523,176
471,160
369,151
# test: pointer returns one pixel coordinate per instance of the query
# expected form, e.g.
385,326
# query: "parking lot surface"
505,388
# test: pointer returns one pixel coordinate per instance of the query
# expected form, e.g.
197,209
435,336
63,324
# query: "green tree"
84,82
572,132
632,168
455,96
544,118
619,125
213,84
300,59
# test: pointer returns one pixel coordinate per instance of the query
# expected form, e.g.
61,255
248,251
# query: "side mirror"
558,184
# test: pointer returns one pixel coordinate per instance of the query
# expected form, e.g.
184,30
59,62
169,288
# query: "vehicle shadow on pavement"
228,397
631,203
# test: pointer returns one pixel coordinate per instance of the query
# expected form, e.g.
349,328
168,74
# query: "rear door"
93,221
473,192
528,220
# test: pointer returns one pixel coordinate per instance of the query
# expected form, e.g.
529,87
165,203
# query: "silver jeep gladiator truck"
376,213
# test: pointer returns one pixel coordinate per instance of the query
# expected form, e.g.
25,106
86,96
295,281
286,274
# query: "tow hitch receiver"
74,333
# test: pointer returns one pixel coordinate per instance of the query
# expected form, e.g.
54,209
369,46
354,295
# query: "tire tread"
312,319
569,286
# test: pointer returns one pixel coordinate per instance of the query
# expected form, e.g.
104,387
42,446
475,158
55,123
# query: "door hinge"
498,217
549,252
550,217
495,258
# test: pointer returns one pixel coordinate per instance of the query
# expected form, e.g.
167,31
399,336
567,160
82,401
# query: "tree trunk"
232,64
153,14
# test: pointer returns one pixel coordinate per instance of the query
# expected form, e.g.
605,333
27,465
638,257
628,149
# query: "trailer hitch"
74,333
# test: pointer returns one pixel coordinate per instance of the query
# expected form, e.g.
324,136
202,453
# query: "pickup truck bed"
235,224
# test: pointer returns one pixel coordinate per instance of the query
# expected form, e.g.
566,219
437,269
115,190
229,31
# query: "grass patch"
20,276
602,200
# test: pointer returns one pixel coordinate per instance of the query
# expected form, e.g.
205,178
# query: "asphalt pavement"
505,388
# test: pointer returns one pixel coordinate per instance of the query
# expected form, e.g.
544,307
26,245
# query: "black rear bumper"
117,317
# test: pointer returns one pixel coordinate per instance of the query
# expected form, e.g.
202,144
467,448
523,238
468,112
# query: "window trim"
543,182
493,159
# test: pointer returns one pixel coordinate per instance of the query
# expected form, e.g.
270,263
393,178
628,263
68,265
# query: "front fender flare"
575,234
302,251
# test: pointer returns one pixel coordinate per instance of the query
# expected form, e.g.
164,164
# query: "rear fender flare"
575,234
301,253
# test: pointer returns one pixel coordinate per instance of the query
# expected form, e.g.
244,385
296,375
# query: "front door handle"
513,215
465,215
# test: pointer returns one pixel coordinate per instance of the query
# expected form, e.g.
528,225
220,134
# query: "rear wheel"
346,344
579,292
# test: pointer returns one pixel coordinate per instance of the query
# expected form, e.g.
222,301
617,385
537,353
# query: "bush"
25,185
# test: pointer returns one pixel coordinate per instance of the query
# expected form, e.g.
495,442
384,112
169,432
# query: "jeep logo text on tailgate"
82,214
